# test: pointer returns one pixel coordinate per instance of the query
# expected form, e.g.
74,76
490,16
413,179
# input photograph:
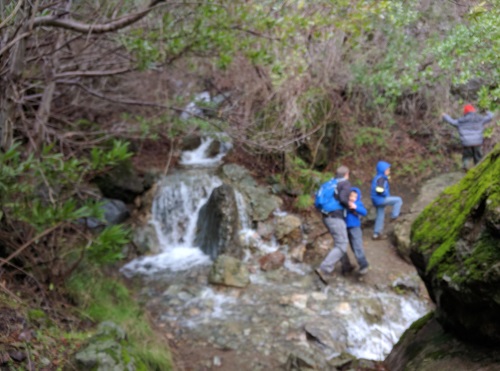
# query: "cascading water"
268,317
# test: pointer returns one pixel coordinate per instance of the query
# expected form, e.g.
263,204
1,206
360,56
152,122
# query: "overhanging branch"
77,26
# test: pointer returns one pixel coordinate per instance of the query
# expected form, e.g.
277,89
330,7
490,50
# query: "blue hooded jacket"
380,184
352,218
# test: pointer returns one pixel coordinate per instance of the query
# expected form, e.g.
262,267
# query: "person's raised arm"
488,117
449,119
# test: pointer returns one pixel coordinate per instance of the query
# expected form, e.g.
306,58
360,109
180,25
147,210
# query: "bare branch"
11,15
121,101
14,42
27,244
92,73
114,25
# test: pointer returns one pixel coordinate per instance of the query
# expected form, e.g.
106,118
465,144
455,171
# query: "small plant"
42,210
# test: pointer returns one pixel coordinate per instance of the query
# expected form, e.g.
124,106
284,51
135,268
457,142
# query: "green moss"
421,322
415,327
436,230
106,299
484,255
36,314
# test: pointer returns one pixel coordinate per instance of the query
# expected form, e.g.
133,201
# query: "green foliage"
42,194
100,159
102,298
107,247
372,137
304,202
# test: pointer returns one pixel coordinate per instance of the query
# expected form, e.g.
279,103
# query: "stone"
455,248
430,190
229,271
272,261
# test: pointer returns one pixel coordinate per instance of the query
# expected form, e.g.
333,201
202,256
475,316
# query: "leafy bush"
43,209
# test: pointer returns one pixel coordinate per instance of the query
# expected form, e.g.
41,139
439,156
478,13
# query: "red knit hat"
469,108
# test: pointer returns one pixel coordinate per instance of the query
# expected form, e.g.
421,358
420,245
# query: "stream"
282,312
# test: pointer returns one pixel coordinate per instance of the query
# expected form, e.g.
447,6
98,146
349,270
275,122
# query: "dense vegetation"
300,85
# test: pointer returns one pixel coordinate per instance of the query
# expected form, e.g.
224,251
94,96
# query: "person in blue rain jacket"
381,198
354,232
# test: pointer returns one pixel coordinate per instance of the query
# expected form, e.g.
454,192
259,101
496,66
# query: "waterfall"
175,211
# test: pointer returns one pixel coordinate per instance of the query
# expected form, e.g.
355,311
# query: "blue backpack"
326,198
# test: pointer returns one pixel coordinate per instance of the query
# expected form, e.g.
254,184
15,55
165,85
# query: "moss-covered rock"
106,350
426,346
455,245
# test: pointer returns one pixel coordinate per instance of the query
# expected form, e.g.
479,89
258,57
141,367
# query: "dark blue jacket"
352,218
380,184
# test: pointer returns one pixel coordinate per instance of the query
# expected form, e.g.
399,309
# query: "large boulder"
218,224
426,346
430,190
106,350
261,203
121,183
455,246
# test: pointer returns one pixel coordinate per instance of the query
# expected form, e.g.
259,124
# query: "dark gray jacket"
470,127
343,191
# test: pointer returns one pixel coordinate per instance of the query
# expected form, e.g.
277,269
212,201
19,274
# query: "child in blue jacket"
381,197
354,233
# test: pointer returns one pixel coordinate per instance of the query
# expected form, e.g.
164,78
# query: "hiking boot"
377,237
323,276
348,270
364,270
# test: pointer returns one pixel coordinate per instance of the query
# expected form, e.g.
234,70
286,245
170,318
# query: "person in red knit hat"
470,128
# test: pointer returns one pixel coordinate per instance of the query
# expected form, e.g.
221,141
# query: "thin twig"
11,15
27,244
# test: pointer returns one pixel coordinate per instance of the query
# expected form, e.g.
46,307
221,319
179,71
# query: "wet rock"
106,350
120,183
250,240
426,346
409,283
373,311
430,190
296,253
265,230
329,333
229,271
300,362
296,300
146,239
190,142
343,360
288,229
260,200
218,224
272,261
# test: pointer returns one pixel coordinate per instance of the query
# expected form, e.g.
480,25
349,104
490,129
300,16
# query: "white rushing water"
175,210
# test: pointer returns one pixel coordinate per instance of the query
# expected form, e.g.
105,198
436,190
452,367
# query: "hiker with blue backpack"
381,198
332,200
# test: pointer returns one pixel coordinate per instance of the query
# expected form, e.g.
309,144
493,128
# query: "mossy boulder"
455,246
106,350
426,346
